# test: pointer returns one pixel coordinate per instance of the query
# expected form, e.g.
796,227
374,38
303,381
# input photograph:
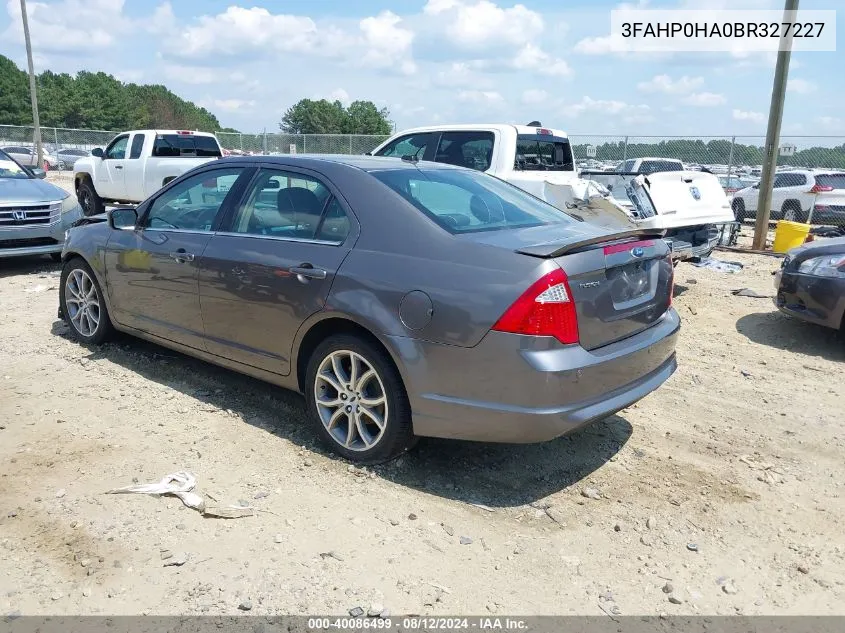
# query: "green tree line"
714,152
96,101
308,116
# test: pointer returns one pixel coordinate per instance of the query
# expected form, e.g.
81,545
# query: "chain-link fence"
739,156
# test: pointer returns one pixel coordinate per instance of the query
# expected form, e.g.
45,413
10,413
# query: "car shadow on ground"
495,475
27,265
780,331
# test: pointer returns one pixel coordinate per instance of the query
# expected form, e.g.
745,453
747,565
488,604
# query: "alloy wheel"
83,302
351,400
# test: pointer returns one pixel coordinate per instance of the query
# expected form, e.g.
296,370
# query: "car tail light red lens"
545,309
820,188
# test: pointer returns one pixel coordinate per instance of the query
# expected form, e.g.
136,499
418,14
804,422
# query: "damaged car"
689,207
811,283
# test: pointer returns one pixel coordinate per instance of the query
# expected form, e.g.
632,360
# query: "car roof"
479,127
365,163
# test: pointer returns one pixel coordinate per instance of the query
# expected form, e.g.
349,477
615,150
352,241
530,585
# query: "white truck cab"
687,205
136,164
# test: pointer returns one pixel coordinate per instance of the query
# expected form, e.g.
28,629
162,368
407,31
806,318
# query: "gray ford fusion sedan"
34,214
402,298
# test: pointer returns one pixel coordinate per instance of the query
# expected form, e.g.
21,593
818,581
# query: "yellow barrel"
788,235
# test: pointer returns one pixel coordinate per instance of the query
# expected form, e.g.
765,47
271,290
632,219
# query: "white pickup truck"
137,164
689,206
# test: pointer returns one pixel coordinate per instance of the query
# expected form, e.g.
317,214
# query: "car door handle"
181,256
118,166
307,271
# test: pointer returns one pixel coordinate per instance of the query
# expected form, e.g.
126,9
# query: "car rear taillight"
817,188
545,309
184,132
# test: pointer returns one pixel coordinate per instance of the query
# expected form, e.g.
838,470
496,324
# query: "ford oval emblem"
696,194
637,251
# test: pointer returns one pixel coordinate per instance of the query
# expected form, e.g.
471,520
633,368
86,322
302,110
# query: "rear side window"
466,149
837,181
791,180
543,152
137,146
468,201
653,166
175,145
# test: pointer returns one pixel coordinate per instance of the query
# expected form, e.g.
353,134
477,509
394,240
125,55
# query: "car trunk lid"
620,283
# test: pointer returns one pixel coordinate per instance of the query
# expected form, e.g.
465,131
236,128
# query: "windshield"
175,145
543,152
469,201
10,169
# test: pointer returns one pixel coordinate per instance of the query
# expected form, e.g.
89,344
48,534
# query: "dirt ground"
720,493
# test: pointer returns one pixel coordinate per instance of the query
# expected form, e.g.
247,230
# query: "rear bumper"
819,300
519,389
37,239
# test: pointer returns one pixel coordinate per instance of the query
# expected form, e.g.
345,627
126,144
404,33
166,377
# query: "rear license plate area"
630,282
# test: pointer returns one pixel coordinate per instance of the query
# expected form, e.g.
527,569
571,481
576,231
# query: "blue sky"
431,61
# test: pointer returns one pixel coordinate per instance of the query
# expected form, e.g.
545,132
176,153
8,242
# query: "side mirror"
123,218
38,172
98,152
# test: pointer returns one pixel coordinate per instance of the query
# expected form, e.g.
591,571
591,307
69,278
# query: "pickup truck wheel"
90,202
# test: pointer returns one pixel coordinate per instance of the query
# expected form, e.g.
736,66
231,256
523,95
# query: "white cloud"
704,99
388,45
232,105
667,85
192,74
457,74
479,24
601,45
435,7
480,97
831,122
162,20
534,96
800,86
338,94
601,106
530,57
747,115
57,26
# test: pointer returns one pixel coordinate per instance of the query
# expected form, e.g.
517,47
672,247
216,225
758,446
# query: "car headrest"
487,210
298,200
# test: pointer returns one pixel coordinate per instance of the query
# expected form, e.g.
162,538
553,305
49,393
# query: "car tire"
83,304
335,404
738,206
90,202
791,212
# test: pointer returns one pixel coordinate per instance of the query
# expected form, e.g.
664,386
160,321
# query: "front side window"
290,205
466,201
466,149
194,203
117,150
411,145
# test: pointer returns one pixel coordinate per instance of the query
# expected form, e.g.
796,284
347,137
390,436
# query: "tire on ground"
88,198
398,435
104,329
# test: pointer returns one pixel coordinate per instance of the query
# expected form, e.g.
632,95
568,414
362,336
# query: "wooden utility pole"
770,159
33,92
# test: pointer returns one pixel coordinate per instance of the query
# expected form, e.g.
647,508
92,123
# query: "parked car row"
798,196
52,159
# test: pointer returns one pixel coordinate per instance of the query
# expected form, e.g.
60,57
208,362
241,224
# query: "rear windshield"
837,181
174,145
469,201
543,152
652,166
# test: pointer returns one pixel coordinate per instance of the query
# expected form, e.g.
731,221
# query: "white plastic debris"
181,485
177,485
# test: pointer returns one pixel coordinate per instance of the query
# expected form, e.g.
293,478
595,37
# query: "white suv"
795,194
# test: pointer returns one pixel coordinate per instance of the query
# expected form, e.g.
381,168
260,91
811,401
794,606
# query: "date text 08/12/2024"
418,623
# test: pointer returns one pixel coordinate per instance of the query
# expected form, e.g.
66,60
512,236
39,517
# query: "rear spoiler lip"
555,249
